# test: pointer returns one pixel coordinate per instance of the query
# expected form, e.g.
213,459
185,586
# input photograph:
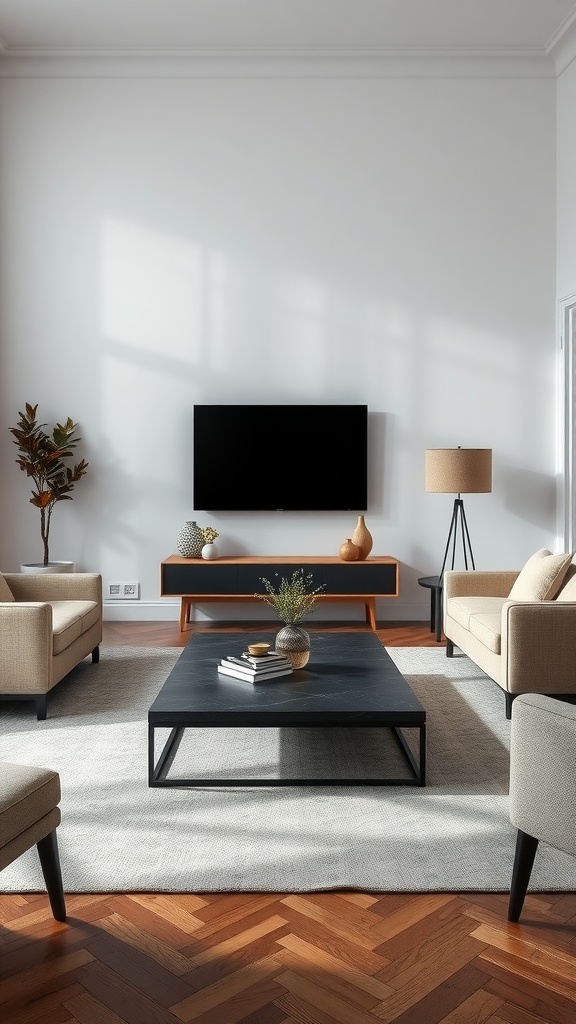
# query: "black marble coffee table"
350,681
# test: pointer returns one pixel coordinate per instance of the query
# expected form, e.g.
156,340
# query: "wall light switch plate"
123,591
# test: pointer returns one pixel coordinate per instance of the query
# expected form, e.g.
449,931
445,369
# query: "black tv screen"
293,458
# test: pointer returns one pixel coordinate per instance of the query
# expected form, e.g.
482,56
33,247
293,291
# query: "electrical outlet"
123,591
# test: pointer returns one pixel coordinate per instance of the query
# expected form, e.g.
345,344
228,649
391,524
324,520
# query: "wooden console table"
197,580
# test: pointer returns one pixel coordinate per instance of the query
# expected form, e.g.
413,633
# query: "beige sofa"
48,624
526,646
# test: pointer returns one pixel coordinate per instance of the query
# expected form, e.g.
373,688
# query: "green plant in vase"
41,457
292,599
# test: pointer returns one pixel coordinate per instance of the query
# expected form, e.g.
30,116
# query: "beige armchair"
48,624
542,784
29,815
526,646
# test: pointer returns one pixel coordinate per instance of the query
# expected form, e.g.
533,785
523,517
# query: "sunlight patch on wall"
151,290
470,370
221,315
301,356
466,345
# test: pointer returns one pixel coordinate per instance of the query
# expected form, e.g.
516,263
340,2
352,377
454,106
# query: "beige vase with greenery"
294,643
292,599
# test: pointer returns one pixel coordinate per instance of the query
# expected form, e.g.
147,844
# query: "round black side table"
435,587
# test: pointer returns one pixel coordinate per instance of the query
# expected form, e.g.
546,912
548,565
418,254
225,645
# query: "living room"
377,207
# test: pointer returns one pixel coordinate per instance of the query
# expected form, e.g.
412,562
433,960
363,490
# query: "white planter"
51,567
209,551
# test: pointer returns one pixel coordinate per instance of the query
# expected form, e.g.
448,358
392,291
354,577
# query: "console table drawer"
360,578
249,577
198,577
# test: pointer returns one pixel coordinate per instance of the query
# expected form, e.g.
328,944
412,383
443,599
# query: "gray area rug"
119,835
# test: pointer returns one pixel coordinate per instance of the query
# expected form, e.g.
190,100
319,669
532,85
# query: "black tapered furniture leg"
509,701
449,649
41,701
50,864
526,847
29,816
95,655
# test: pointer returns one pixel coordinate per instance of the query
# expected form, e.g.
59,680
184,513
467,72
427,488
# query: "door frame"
566,468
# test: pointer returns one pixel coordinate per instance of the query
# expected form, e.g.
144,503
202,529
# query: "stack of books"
256,668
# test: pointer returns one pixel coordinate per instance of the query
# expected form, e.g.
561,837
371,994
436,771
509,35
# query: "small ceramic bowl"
257,649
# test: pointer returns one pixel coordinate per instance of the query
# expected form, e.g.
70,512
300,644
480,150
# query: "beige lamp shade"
459,470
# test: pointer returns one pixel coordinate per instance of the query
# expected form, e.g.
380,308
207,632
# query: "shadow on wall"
530,496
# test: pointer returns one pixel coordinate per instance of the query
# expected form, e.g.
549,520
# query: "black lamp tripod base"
458,525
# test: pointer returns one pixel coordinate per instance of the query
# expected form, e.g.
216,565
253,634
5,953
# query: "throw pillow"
567,591
5,592
541,577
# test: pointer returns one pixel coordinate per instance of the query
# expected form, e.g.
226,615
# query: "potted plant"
292,599
209,535
42,457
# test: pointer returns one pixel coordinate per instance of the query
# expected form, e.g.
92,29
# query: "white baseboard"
168,610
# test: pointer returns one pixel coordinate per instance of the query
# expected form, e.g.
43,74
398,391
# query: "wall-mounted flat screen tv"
292,458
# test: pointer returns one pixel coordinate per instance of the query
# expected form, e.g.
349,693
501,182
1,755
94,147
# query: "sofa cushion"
541,577
70,619
461,609
5,592
487,628
567,591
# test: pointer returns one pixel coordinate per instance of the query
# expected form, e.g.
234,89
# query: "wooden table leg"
185,606
371,612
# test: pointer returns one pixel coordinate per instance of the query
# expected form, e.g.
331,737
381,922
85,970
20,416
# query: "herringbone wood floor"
314,958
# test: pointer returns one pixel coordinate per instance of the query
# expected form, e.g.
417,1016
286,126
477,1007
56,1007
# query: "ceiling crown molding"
279,64
562,46
280,51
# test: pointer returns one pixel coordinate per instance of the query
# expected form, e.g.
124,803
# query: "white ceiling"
75,27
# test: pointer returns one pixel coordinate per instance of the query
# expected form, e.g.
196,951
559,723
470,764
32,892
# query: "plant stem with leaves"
41,458
292,599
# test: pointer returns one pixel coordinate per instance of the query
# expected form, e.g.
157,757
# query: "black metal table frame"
435,586
158,770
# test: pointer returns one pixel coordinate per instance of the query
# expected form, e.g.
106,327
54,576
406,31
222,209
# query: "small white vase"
209,551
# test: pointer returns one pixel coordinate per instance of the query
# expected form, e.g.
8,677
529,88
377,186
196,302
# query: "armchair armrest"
65,586
25,647
539,646
543,770
478,583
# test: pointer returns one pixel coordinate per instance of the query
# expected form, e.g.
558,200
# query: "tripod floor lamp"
458,471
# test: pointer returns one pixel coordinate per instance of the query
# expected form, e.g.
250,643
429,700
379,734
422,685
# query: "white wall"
566,175
383,240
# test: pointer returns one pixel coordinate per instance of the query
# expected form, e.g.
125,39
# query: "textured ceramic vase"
190,540
209,551
294,643
348,551
362,538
